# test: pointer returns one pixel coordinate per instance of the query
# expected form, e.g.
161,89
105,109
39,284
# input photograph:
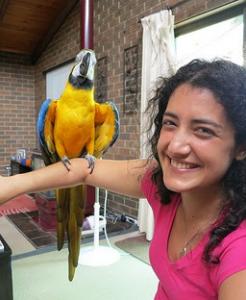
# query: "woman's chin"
177,187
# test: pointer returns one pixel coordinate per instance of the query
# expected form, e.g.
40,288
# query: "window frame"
205,20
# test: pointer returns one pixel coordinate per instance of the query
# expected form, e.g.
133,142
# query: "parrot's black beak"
85,65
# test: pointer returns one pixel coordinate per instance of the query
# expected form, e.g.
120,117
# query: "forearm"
123,177
56,176
51,177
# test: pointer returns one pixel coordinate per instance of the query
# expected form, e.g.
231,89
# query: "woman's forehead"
190,101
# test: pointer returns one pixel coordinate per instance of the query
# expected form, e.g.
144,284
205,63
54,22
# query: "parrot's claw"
66,161
91,161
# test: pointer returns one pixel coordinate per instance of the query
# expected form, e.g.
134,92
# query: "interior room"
135,43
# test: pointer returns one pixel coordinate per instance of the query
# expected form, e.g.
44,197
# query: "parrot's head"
82,75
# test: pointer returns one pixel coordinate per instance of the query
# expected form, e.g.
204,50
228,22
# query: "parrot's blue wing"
48,156
41,119
107,124
116,122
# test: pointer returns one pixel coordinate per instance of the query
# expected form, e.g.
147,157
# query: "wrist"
14,186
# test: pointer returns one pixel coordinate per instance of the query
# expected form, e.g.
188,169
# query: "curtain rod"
209,13
172,7
202,15
177,4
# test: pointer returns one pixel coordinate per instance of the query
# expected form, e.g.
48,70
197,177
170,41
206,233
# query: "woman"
195,182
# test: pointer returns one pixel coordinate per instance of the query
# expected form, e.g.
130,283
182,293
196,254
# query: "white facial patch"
76,70
91,67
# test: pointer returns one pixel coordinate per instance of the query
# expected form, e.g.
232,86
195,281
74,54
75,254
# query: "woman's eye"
207,132
168,124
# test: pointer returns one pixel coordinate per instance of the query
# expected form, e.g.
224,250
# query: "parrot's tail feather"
70,215
77,198
71,267
62,216
60,235
73,238
82,191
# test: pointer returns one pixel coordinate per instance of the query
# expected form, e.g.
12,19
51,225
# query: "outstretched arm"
122,177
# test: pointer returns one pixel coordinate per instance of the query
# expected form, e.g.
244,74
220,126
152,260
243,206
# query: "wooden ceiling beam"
55,26
3,6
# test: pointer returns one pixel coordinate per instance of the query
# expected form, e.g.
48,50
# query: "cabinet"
6,287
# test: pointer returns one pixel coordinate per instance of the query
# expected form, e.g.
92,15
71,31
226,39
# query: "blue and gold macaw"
72,126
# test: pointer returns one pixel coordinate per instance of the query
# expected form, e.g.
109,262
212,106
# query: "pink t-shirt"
190,277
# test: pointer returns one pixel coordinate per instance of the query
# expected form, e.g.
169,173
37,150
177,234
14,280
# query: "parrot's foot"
91,161
66,161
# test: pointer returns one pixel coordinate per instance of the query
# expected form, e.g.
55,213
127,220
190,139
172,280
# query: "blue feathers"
48,157
117,121
41,121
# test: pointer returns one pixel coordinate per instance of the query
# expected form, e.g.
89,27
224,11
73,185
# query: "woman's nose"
179,145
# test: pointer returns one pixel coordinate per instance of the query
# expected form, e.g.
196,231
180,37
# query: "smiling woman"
199,143
196,145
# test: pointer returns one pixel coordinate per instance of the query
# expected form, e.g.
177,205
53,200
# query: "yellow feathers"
72,126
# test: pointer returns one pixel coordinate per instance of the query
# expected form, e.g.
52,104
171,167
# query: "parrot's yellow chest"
74,123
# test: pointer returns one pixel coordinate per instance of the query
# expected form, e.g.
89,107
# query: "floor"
35,255
28,225
127,278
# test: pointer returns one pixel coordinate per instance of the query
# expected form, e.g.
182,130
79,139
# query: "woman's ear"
241,153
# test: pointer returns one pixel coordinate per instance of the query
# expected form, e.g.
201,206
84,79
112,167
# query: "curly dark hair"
227,81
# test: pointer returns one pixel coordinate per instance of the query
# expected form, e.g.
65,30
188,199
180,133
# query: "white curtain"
158,59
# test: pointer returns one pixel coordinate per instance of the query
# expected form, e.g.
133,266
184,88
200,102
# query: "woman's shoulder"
234,238
239,232
231,253
242,226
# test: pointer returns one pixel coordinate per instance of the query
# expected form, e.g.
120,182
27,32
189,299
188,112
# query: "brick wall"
116,27
63,47
17,122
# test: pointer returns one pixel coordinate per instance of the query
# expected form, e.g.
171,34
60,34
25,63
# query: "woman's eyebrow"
170,114
195,121
207,122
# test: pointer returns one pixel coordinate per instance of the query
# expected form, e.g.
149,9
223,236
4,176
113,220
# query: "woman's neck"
201,206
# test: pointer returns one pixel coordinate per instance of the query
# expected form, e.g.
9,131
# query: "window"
224,39
56,80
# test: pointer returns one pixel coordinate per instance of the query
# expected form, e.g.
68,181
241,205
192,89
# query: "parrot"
75,125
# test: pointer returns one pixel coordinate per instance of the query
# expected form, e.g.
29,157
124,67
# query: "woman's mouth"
182,165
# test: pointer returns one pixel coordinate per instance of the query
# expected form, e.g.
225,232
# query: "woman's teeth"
181,165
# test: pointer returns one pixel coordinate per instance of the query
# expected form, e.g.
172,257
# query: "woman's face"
196,144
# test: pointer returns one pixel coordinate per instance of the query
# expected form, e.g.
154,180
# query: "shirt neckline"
192,254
